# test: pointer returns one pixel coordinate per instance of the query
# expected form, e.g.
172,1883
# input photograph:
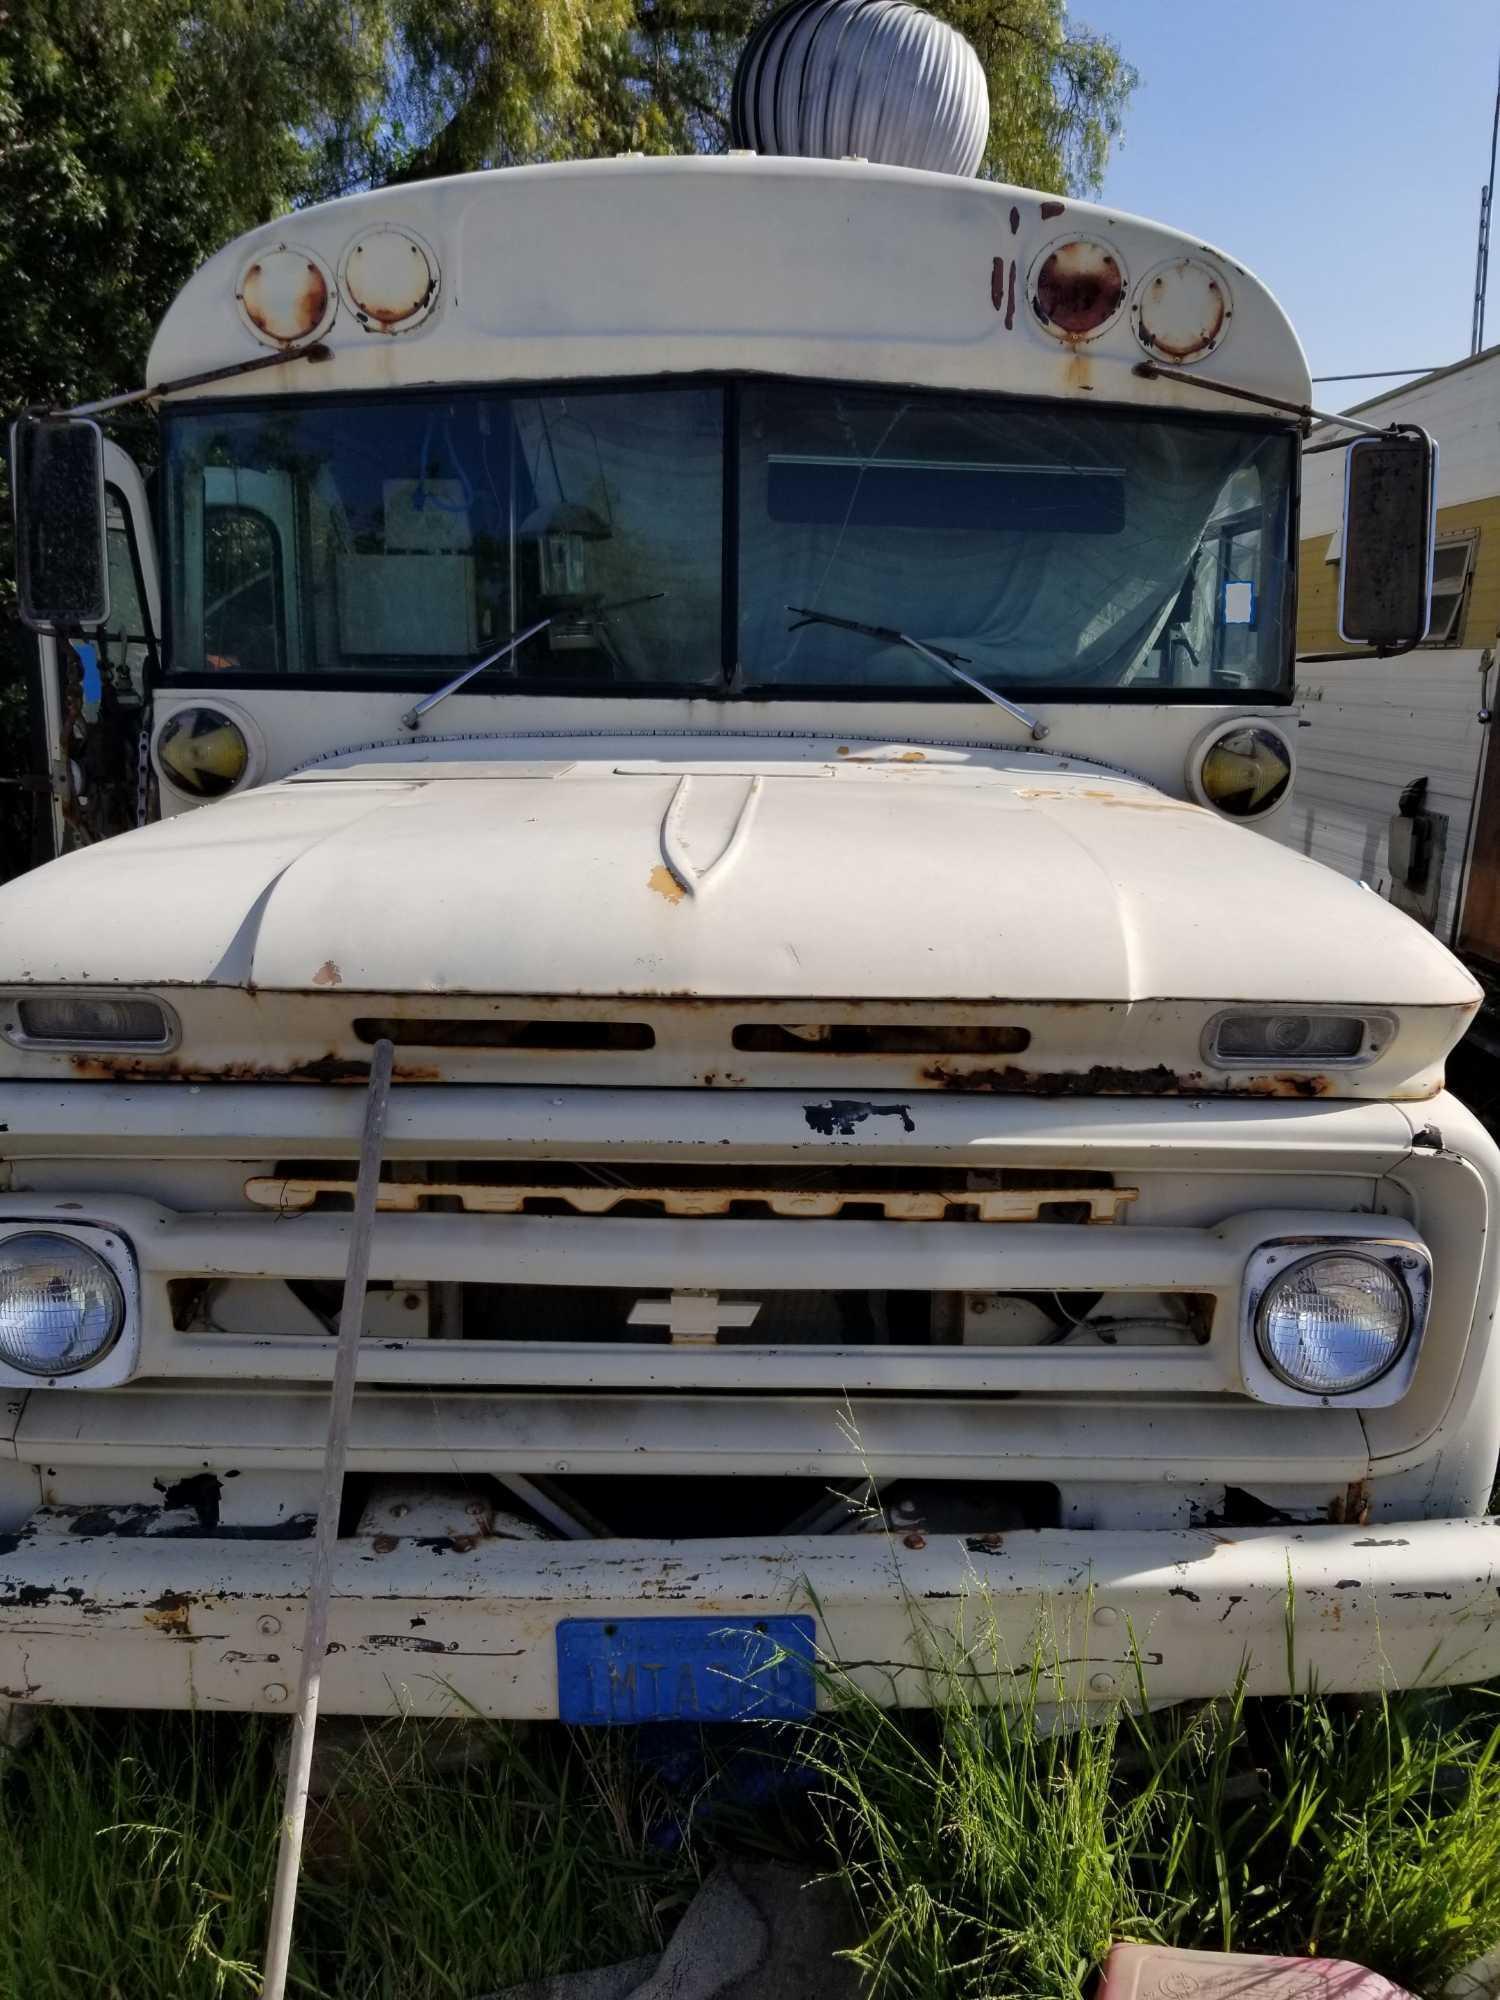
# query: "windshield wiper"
944,661
413,716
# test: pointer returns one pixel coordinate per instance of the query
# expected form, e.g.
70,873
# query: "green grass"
984,1858
136,1857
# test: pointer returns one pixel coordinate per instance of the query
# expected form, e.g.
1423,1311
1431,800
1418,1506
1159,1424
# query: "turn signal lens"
1246,771
1290,1038
61,1306
1333,1324
203,752
69,1020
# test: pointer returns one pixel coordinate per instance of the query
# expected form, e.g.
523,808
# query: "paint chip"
665,883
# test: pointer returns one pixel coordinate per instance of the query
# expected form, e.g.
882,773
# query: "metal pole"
315,1634
1486,214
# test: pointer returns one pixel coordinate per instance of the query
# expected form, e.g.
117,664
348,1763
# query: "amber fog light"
1244,772
203,752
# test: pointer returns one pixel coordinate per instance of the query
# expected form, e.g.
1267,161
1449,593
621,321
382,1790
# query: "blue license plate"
684,1669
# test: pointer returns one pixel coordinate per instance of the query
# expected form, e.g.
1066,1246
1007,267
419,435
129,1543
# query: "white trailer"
1393,787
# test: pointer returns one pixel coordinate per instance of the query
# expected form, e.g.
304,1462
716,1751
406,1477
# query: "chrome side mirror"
62,555
1390,519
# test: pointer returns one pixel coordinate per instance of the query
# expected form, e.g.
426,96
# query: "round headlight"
61,1306
1333,1324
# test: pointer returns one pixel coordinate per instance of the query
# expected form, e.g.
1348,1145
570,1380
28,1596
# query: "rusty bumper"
436,1626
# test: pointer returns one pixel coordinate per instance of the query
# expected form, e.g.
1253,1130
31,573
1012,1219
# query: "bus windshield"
666,531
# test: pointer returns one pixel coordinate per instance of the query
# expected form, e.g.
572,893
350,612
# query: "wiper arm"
944,661
413,716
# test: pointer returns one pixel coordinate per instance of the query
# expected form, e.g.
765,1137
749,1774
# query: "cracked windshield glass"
1042,548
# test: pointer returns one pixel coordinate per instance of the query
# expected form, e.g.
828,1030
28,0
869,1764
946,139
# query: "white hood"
713,884
827,871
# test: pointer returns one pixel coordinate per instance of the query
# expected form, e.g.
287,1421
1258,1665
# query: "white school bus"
765,680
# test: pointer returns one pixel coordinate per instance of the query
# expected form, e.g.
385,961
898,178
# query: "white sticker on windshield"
1239,603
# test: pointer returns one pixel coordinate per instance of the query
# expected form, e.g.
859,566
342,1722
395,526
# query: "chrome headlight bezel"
119,1360
1405,1258
13,1027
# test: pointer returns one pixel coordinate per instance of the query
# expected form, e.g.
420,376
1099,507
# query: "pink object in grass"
1152,1972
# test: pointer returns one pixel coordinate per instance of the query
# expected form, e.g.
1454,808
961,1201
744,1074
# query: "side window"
123,648
1452,567
243,592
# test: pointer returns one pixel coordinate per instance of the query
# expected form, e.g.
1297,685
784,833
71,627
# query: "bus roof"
636,267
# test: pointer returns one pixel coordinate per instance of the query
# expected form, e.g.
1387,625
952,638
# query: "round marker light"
61,1306
1332,1324
203,752
1245,772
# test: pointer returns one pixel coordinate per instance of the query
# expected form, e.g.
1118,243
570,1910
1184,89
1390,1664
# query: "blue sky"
1336,147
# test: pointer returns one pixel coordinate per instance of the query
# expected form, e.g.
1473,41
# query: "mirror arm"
316,351
1358,653
1306,415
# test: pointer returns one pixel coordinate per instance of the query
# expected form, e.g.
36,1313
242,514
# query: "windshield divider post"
729,566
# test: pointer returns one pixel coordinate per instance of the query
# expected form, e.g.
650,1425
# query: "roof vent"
879,80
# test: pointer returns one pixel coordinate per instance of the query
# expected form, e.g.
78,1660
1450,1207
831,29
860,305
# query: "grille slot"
891,1194
443,1032
846,1038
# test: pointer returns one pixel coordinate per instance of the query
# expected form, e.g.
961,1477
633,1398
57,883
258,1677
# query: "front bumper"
442,1627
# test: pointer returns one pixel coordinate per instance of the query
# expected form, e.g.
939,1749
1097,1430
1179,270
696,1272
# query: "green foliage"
489,82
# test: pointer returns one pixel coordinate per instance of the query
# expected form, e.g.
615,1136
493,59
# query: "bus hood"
754,872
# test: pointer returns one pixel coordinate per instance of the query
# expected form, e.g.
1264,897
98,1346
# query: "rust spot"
1109,1080
1352,1506
1078,289
383,1545
665,883
1015,219
1051,209
914,1540
912,757
1103,1079
169,1613
328,974
103,1067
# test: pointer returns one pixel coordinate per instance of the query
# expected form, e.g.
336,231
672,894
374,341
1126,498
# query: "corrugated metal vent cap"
879,80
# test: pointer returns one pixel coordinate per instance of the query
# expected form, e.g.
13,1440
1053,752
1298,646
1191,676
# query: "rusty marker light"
203,752
1077,289
1243,771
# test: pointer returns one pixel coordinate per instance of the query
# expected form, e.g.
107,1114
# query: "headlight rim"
119,1361
116,1290
1409,1262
